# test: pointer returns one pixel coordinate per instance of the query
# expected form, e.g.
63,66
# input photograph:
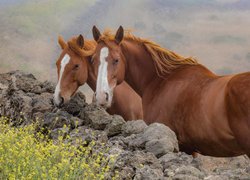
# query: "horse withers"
74,70
210,114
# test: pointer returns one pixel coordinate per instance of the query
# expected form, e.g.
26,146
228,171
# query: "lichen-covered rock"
98,119
76,105
87,135
115,126
130,164
177,159
147,173
133,127
23,98
60,119
156,138
141,151
188,170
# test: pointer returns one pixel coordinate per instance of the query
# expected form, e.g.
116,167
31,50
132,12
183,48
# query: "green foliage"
26,154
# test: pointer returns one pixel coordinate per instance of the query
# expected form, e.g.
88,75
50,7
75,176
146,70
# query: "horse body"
238,108
195,110
77,71
190,100
127,103
208,113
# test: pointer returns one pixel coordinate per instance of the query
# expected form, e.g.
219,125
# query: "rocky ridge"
143,151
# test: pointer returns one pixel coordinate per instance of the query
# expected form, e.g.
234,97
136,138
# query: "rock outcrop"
143,152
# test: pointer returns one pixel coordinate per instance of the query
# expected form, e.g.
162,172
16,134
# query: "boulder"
133,127
115,126
156,138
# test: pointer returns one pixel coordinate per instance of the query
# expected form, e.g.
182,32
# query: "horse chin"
105,105
109,104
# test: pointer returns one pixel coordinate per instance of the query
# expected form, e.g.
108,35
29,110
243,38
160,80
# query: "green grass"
26,154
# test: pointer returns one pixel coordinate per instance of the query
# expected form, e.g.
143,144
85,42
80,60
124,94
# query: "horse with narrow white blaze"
57,97
74,69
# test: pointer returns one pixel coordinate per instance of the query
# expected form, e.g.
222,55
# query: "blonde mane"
87,50
165,61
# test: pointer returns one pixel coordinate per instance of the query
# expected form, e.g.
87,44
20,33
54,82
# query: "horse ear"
61,42
96,33
119,35
80,41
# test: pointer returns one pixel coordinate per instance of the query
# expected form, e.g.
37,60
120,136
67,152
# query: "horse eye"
76,66
115,61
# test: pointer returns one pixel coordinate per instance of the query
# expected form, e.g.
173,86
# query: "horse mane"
87,50
165,61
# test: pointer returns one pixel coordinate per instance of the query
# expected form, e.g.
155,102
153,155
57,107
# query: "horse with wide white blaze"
74,70
210,114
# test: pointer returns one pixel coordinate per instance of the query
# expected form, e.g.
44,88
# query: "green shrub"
25,154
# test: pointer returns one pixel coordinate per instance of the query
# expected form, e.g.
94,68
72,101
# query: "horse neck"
140,70
91,80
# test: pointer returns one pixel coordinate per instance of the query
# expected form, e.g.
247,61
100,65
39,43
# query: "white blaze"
102,85
64,62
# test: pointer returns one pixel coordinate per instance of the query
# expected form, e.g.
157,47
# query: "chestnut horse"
73,68
210,114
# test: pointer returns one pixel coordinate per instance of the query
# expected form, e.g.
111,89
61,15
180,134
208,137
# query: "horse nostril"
102,105
61,102
107,96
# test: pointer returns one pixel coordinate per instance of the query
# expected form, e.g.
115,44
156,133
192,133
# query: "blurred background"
216,32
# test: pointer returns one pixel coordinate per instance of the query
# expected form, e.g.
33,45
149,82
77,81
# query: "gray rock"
47,86
216,177
168,159
173,160
115,126
136,145
24,82
75,105
184,177
97,119
158,131
87,135
59,132
17,106
60,119
156,138
118,140
190,171
42,103
159,147
127,161
147,173
21,101
133,127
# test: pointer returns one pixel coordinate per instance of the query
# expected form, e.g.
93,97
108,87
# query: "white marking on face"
64,62
102,85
